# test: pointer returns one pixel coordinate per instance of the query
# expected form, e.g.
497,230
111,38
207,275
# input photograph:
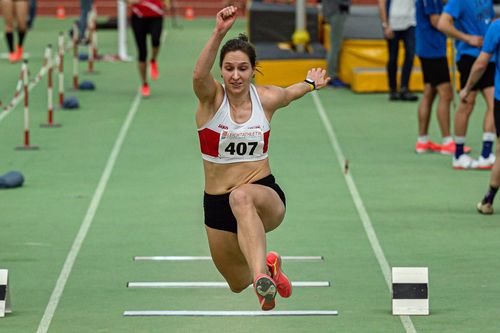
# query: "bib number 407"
241,148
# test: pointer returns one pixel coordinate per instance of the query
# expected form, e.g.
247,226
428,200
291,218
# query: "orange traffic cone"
189,13
60,13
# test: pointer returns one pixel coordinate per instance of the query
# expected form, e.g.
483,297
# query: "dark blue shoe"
337,83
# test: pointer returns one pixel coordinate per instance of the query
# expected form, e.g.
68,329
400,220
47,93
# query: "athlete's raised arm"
204,84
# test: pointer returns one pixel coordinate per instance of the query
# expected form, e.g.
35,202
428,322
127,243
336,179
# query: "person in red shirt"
147,18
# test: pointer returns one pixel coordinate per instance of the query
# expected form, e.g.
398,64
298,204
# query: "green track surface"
422,211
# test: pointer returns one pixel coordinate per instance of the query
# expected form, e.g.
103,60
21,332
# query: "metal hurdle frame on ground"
217,284
25,75
75,55
60,67
92,39
50,97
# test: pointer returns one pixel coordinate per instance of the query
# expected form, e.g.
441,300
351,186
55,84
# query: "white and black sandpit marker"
4,293
410,294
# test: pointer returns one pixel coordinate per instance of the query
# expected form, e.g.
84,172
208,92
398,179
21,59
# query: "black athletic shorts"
496,116
464,66
218,213
435,71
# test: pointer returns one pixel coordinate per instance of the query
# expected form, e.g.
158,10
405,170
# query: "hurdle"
75,55
92,39
50,103
187,313
207,258
26,146
299,284
60,66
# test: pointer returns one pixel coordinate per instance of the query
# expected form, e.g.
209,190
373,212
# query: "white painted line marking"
317,284
87,221
363,214
231,313
202,258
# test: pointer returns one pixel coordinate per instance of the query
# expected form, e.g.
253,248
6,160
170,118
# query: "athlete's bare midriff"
223,178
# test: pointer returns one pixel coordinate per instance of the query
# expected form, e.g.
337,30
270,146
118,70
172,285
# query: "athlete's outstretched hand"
225,19
319,77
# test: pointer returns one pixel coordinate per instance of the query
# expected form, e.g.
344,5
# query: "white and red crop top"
149,8
224,141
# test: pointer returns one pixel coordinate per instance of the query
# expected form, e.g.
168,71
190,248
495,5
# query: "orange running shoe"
429,146
19,53
145,92
13,57
265,288
155,74
273,262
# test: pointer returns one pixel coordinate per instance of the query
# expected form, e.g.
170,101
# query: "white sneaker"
484,208
464,162
486,163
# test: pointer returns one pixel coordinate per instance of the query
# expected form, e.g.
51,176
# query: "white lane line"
207,258
306,284
363,214
186,313
87,221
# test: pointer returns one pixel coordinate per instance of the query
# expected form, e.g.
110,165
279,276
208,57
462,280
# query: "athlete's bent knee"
239,198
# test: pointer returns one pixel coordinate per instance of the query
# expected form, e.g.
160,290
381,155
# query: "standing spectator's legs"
463,113
8,16
85,6
487,158
408,37
21,9
425,109
445,94
337,22
485,206
32,13
392,66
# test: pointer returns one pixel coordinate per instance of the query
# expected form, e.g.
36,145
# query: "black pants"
408,38
142,26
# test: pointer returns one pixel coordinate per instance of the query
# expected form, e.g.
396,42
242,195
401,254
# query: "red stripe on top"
266,141
149,8
209,142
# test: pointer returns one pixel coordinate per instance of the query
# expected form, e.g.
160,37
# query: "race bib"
249,143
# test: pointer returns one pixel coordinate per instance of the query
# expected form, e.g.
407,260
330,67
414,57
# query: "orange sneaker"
449,149
145,92
155,74
265,288
13,57
427,147
19,53
273,262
